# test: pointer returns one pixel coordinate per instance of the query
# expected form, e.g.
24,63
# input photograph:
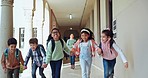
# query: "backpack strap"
17,53
39,49
53,44
6,53
62,42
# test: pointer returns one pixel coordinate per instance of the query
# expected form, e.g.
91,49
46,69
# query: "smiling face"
84,37
12,47
55,34
33,46
104,38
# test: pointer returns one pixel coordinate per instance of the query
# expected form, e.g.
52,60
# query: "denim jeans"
109,68
72,60
13,73
34,68
56,68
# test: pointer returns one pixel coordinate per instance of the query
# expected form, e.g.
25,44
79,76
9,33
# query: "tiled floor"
66,72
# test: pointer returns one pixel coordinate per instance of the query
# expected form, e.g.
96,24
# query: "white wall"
132,36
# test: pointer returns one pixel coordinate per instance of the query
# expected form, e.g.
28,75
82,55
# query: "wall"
132,36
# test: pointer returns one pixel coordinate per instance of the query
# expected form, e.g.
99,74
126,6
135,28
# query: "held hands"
44,65
99,51
5,70
93,54
25,67
126,65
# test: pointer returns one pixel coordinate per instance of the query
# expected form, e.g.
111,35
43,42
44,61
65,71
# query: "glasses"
55,32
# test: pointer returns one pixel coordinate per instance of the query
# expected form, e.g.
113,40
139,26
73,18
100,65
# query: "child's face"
84,37
71,36
55,34
33,46
104,38
12,47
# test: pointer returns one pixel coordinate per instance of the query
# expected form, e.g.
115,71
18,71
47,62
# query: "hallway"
24,19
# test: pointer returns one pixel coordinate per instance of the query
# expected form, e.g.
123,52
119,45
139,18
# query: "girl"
70,43
109,51
85,48
54,54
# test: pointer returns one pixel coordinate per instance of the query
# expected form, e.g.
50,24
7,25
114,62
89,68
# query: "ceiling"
62,9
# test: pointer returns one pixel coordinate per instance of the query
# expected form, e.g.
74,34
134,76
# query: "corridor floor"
66,72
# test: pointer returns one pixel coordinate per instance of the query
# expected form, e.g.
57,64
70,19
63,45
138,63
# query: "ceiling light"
70,16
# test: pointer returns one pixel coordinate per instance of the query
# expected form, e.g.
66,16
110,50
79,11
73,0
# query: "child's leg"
41,72
16,73
83,68
111,67
53,67
9,73
88,67
34,68
72,61
58,68
106,68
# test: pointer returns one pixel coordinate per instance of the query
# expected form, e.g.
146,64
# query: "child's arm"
66,49
27,58
3,62
116,47
49,53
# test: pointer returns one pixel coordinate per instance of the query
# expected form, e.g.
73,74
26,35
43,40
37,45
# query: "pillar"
6,27
28,29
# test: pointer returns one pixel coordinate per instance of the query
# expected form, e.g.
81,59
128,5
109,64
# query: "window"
21,37
34,32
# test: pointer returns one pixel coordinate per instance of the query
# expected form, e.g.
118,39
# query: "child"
70,43
85,48
11,59
109,51
54,53
38,55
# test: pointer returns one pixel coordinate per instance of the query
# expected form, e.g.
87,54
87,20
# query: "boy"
11,59
37,53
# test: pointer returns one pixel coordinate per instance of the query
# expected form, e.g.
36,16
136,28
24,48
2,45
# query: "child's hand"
71,53
77,53
5,70
126,65
99,51
44,65
25,67
93,54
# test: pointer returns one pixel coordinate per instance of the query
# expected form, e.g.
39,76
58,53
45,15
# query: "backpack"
39,47
17,53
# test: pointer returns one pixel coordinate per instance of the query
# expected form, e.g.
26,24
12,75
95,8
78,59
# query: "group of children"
85,48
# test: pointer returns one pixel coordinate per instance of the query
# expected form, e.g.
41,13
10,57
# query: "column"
28,29
6,27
